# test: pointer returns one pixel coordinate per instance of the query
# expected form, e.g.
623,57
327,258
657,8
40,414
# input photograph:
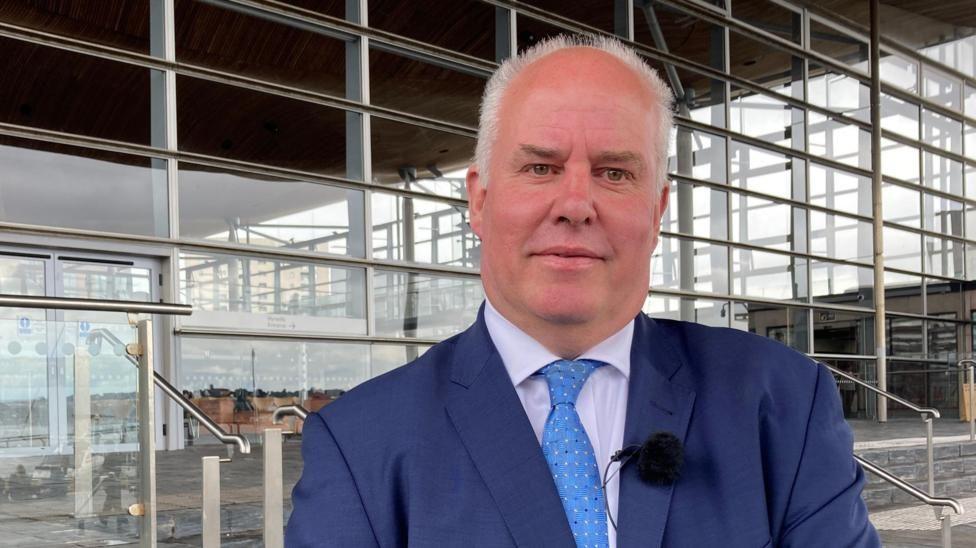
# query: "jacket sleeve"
825,506
327,509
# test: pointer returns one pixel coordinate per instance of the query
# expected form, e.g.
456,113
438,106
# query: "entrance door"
40,350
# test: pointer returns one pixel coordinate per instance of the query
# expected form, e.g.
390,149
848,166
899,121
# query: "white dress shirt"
602,403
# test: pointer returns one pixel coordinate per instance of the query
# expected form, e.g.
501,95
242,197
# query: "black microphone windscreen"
661,458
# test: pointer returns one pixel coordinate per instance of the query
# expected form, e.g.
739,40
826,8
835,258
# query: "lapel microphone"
659,461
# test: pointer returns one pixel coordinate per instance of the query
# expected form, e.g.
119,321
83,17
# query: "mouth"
569,258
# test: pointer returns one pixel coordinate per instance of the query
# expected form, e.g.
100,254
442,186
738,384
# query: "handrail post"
930,453
143,350
972,402
274,530
210,520
946,519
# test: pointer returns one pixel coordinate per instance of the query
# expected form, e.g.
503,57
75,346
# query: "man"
499,436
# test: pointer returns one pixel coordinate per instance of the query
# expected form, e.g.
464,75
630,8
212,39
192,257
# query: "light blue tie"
570,454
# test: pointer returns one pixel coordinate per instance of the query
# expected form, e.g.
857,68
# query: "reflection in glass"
766,223
766,118
902,249
842,332
765,171
839,93
238,207
681,263
941,131
72,187
698,154
942,215
837,189
857,402
942,173
64,91
421,159
696,211
943,257
784,324
941,88
387,357
841,284
899,116
945,298
900,72
840,237
900,205
970,146
234,41
899,161
704,311
271,294
903,292
410,305
942,338
914,382
905,337
768,275
422,231
844,143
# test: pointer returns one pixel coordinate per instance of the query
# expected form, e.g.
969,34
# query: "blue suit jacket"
440,452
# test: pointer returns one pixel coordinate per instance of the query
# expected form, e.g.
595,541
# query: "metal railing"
940,503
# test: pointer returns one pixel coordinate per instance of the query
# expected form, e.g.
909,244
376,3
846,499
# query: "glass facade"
298,169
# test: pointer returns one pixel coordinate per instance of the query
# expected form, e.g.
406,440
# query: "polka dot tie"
570,454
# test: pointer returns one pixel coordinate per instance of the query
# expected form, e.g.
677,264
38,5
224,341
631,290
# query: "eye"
615,175
541,169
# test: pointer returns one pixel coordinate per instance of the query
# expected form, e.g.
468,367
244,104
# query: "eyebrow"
539,152
621,157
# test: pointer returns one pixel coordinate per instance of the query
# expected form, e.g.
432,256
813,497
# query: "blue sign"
84,328
23,326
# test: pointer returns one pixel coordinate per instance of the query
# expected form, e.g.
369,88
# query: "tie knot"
566,379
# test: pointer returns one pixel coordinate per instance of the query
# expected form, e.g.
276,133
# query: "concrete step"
954,466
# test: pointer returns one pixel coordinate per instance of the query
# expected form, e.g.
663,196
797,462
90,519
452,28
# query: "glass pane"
410,304
781,323
768,275
704,97
970,144
696,211
899,116
63,91
835,283
941,131
899,161
955,47
941,88
265,128
943,339
422,231
840,190
421,159
905,337
771,18
409,85
335,8
944,257
72,187
704,311
595,13
698,154
238,42
764,171
941,173
840,237
902,249
471,29
680,263
899,72
970,101
839,93
237,207
387,357
943,215
122,25
858,402
683,35
766,118
272,295
844,143
766,64
762,222
842,332
944,298
900,205
839,45
239,382
903,293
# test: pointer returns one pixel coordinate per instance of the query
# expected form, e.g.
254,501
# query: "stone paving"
48,521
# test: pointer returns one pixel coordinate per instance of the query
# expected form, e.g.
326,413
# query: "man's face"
570,213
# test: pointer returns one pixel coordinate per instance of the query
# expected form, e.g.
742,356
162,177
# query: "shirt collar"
523,355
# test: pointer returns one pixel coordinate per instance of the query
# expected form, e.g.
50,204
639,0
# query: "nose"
574,202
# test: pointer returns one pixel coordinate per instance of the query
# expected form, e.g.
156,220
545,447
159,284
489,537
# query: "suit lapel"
489,418
654,404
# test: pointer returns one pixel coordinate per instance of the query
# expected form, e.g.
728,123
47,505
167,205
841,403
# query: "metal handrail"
97,305
909,488
294,410
222,435
934,413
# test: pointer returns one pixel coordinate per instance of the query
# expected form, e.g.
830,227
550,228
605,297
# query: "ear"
662,206
476,198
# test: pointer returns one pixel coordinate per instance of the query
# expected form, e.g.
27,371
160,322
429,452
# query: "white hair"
498,84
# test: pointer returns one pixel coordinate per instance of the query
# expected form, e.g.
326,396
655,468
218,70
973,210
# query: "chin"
563,309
